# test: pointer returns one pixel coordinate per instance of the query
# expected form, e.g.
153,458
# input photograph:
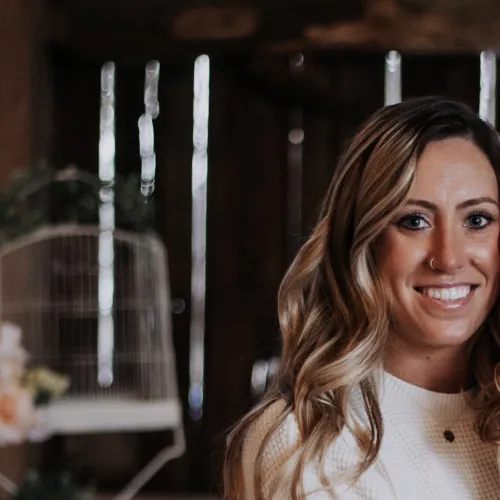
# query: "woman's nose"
449,250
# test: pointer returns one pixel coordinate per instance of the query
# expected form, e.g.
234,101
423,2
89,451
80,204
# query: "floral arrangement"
24,391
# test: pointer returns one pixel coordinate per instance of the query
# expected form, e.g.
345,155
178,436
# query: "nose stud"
431,263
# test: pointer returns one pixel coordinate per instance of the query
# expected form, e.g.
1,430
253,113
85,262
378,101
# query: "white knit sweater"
415,461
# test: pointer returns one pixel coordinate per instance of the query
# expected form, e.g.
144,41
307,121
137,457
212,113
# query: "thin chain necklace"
448,433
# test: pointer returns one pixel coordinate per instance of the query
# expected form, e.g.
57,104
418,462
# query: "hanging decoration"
488,80
146,130
392,78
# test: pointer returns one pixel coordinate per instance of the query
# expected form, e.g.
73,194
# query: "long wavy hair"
333,312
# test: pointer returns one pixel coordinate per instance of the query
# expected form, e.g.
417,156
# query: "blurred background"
256,100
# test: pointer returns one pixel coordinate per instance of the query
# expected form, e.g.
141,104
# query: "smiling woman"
438,262
388,382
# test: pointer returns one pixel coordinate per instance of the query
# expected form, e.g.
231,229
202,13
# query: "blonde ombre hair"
332,309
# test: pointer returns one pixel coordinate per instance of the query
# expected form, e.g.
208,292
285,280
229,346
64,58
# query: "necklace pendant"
449,436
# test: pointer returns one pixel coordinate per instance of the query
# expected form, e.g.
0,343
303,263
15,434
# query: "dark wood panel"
454,76
246,244
76,95
174,147
22,89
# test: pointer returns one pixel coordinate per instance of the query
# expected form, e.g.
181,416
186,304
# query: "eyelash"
481,213
400,222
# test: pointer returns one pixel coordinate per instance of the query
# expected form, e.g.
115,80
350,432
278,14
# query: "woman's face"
452,218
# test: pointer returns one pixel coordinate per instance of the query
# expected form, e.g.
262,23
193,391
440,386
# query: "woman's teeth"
455,293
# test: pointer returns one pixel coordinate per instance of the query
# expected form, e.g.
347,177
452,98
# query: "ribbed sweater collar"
397,393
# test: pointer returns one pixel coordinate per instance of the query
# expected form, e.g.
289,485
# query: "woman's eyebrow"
463,204
477,201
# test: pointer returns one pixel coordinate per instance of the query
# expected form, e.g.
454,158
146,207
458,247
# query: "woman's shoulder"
278,440
280,444
276,436
284,439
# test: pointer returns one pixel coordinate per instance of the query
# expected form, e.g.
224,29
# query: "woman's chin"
446,337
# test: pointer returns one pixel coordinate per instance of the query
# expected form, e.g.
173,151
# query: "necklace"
448,432
418,395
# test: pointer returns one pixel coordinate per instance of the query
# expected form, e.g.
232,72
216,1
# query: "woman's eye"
478,221
413,222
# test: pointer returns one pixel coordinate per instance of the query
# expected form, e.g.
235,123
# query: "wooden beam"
409,25
131,35
135,33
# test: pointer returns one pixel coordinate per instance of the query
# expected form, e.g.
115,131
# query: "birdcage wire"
49,286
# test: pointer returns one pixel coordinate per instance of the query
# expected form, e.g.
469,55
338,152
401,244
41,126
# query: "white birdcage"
51,283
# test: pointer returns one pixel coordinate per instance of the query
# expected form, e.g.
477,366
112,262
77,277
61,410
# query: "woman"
387,386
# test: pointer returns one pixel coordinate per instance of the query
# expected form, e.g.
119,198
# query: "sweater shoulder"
278,447
281,445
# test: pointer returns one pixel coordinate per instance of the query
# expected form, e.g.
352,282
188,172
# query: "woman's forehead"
452,169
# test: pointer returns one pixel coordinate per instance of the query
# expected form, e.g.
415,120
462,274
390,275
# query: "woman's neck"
439,370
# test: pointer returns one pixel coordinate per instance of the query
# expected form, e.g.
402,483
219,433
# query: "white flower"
12,355
17,415
10,337
21,391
